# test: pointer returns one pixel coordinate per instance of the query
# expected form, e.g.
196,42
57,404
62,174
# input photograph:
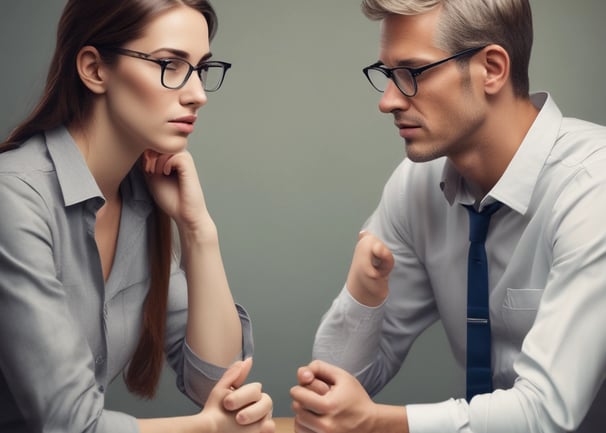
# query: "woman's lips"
184,124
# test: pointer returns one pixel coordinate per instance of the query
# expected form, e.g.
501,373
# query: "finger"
176,163
382,259
305,376
148,161
155,161
308,400
363,233
387,261
167,163
245,370
269,426
298,409
235,375
318,386
295,406
162,163
256,412
326,372
242,397
231,376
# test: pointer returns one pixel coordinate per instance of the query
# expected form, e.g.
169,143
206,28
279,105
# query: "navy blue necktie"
479,373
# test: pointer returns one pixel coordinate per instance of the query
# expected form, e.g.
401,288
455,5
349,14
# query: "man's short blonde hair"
473,23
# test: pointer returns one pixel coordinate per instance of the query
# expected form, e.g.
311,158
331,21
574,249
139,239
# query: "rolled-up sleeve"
195,376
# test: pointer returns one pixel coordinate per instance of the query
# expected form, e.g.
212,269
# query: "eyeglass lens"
176,72
402,78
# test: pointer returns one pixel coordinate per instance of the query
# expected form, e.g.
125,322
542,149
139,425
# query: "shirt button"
99,360
101,389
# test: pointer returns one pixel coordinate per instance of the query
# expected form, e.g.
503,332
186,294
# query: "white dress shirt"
546,251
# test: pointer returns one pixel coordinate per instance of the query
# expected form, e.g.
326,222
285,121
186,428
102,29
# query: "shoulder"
27,175
574,127
414,189
580,141
30,156
418,178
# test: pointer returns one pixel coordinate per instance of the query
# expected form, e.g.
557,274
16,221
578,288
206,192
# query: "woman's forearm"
214,331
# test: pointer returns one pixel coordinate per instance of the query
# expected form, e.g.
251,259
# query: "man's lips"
408,130
406,125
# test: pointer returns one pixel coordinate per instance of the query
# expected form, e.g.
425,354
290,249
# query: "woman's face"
141,111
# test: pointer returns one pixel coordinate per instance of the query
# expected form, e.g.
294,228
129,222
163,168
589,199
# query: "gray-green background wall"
293,154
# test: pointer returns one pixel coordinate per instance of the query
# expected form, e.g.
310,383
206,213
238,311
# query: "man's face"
442,119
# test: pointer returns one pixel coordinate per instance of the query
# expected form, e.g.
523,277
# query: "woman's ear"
497,68
91,69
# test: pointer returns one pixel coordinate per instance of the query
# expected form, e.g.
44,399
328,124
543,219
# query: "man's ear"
497,68
91,69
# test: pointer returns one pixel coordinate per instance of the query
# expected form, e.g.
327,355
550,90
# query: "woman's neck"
107,158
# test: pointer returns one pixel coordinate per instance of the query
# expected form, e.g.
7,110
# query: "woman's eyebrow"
205,57
182,54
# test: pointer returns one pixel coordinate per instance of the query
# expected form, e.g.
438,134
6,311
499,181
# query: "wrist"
202,233
362,295
203,423
390,419
180,424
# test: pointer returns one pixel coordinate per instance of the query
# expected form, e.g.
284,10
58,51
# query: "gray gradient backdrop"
293,154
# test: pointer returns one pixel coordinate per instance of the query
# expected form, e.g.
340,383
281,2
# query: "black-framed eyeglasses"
405,77
175,71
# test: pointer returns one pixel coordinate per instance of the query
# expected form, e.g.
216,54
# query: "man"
455,77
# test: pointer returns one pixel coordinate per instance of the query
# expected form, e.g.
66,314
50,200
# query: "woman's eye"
171,65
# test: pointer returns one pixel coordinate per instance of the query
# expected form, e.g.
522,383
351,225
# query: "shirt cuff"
112,421
200,376
360,315
447,416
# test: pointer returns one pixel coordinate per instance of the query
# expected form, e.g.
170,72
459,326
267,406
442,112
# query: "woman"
89,185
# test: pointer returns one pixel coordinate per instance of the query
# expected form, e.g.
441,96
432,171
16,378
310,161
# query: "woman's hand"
230,408
237,408
174,184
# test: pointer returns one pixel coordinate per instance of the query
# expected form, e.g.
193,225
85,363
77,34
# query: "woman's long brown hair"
66,101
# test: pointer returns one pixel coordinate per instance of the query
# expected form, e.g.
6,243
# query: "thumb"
235,375
363,233
326,372
382,259
246,366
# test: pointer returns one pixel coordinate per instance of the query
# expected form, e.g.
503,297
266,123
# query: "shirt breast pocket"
519,311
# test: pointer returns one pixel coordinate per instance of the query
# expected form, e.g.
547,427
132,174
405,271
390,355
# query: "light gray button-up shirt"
546,251
64,332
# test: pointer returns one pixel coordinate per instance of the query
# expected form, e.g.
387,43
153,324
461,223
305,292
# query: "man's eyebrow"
413,62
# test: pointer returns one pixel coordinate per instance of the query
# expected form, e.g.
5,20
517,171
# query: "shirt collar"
76,182
516,185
